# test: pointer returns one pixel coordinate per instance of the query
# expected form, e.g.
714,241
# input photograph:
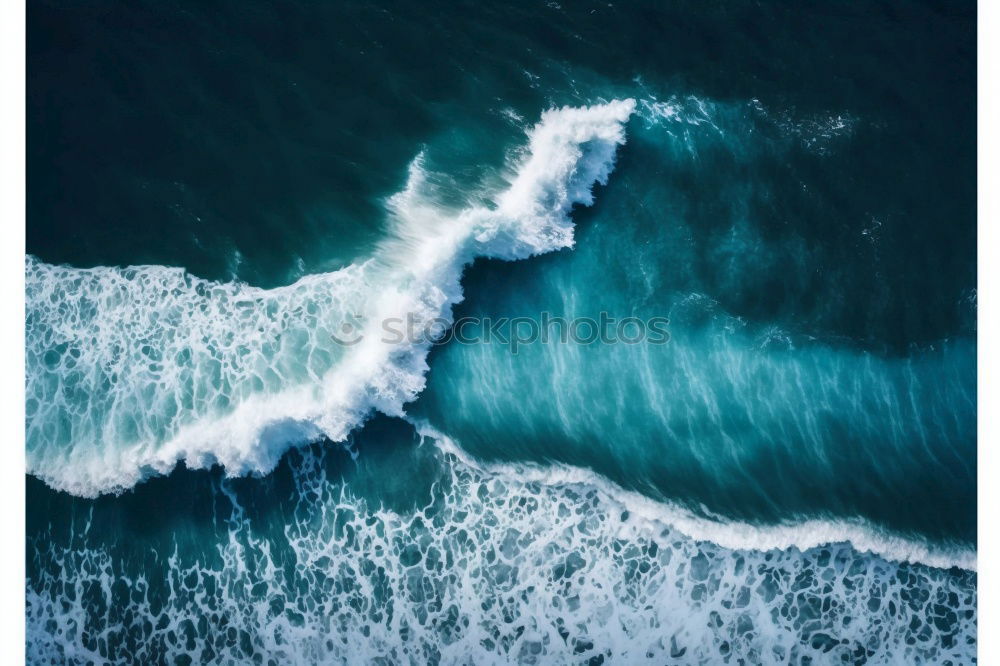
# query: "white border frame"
12,462
988,63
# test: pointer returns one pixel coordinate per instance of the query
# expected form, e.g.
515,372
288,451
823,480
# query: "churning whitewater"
497,563
130,370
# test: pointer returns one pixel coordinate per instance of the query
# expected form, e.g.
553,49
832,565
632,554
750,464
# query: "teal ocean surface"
219,195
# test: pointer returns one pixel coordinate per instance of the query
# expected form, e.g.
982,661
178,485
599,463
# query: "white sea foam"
130,370
501,566
861,535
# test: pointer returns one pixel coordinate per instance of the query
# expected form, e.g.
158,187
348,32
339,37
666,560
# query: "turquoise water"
217,195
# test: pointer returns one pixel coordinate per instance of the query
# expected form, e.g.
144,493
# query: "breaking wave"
130,370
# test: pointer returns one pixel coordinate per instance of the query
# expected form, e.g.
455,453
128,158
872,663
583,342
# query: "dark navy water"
791,477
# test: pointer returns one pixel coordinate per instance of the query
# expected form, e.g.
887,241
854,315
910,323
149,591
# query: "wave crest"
130,370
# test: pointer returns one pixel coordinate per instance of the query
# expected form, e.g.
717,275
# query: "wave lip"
131,370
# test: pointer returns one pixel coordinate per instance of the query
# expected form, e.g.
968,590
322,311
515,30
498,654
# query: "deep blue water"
214,189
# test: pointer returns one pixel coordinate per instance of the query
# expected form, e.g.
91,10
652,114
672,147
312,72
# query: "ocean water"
220,195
